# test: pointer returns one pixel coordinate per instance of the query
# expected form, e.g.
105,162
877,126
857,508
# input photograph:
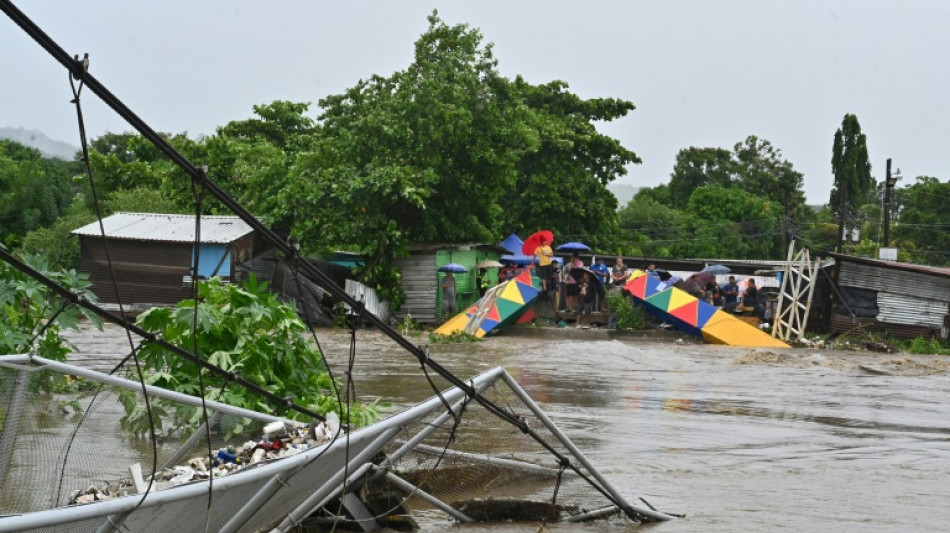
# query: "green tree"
732,223
649,227
696,167
761,170
34,191
561,185
449,151
853,183
922,228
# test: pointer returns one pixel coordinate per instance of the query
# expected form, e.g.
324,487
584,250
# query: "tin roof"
168,228
908,267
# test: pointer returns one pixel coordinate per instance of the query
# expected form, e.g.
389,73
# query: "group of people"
584,291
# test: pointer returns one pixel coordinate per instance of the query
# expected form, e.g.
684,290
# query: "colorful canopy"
694,316
501,305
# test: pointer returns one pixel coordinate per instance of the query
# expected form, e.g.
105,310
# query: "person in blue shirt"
730,295
603,274
651,271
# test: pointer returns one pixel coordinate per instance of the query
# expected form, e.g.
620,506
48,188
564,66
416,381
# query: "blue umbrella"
573,247
452,267
717,269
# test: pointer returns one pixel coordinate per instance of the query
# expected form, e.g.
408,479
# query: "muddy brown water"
735,439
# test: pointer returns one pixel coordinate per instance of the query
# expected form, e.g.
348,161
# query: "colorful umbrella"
452,267
573,247
532,242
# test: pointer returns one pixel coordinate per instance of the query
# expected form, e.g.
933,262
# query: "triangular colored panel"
661,300
512,293
527,317
506,308
492,314
704,313
637,286
679,298
488,324
652,286
528,292
524,277
686,313
470,312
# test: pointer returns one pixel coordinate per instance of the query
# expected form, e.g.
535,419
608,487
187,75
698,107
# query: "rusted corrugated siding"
910,303
147,272
919,284
845,325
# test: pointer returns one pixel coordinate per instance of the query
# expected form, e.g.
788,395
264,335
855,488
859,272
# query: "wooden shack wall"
147,272
420,284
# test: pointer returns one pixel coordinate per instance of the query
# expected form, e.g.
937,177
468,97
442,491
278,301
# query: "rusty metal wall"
147,272
910,304
844,324
929,287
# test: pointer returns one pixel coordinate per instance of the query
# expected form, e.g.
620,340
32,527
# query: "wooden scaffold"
794,300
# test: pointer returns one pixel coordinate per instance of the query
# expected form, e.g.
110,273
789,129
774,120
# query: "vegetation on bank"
447,150
245,330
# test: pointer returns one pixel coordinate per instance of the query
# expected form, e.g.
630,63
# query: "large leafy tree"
562,184
34,191
761,170
922,228
697,167
450,151
853,183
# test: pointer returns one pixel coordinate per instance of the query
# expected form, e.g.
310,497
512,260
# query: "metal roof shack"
157,227
900,299
151,255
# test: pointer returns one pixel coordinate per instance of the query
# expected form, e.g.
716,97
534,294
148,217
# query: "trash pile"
279,440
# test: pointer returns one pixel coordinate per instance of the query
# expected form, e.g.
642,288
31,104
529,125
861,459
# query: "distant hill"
34,139
624,193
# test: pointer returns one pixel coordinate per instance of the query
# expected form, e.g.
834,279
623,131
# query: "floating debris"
279,440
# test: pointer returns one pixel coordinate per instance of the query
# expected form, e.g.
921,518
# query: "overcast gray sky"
701,73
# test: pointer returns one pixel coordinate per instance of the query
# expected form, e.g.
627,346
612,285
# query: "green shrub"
921,345
246,330
629,316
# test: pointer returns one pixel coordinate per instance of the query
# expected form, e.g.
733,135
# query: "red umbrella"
531,243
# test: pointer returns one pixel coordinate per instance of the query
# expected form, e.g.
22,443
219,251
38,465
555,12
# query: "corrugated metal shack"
152,254
900,299
421,278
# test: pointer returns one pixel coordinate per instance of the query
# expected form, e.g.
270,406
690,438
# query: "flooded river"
737,440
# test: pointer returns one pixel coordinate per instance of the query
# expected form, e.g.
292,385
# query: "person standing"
618,274
484,282
448,295
750,298
545,255
588,292
730,295
603,278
